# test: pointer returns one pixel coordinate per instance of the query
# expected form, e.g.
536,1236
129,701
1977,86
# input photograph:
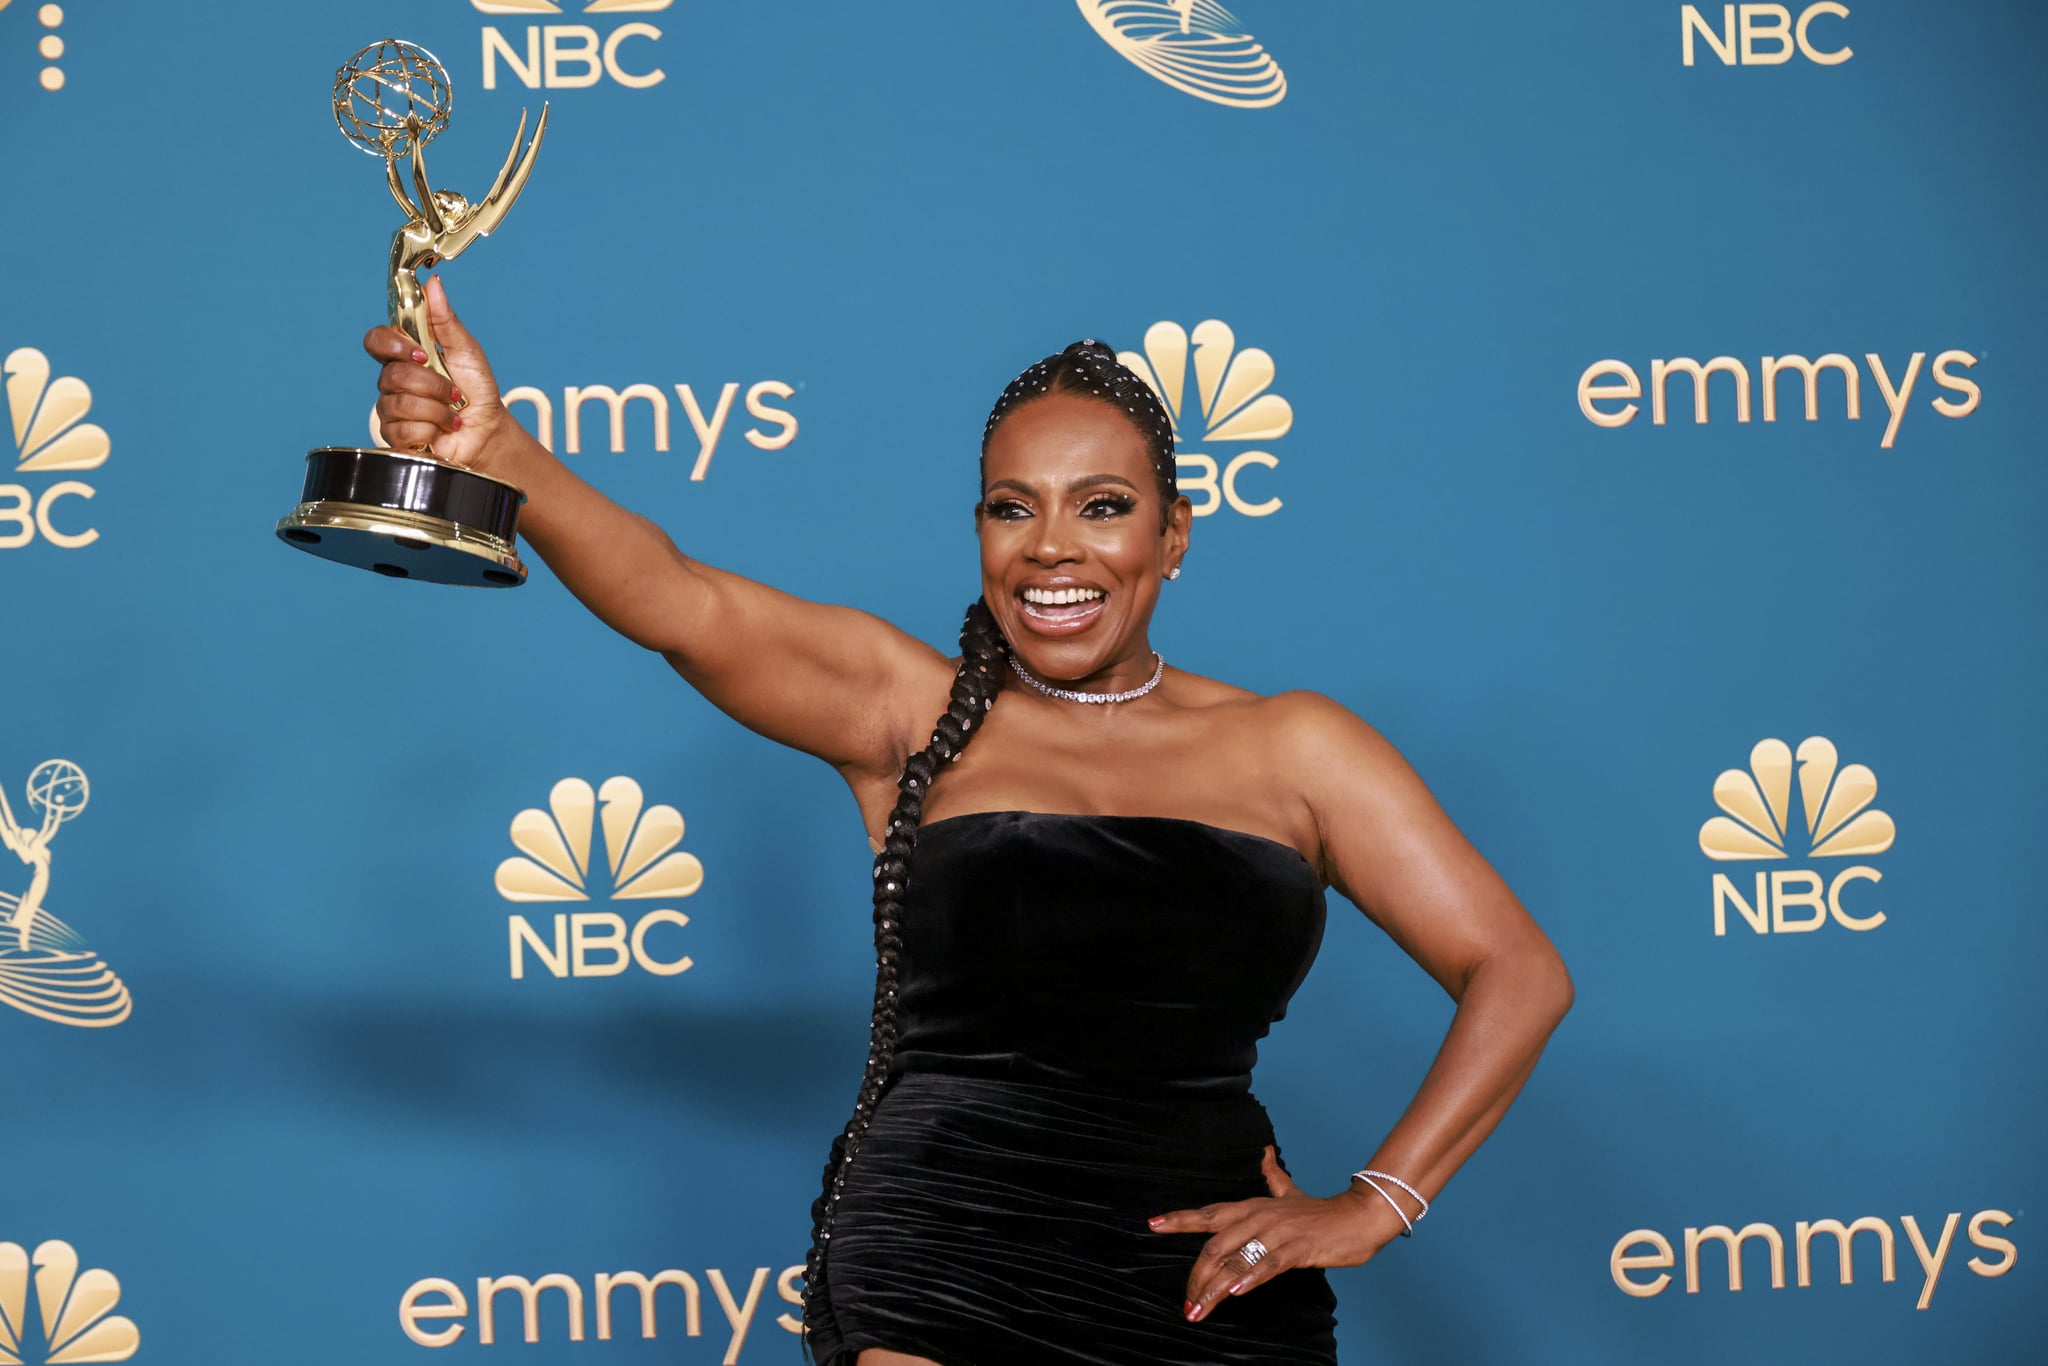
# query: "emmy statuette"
405,514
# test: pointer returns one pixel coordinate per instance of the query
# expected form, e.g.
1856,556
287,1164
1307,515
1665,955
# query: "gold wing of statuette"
485,217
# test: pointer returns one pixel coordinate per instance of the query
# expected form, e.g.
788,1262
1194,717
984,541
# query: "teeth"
1061,597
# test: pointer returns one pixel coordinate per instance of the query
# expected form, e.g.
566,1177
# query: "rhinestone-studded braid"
1090,368
975,685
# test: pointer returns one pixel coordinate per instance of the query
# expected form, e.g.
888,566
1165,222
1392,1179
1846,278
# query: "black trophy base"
407,517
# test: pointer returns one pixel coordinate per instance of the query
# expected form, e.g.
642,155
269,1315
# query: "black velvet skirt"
991,1223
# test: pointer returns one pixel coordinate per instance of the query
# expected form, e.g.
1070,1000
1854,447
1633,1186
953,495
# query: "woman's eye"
1005,509
1108,507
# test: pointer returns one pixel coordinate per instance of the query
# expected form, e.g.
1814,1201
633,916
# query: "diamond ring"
1252,1252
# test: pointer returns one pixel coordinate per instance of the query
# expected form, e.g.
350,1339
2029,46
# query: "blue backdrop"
346,1077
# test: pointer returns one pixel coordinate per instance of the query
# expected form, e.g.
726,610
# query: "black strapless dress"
1082,998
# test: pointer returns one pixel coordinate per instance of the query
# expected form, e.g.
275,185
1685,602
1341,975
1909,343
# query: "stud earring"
1173,573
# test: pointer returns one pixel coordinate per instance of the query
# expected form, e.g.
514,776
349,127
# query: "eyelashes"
1101,507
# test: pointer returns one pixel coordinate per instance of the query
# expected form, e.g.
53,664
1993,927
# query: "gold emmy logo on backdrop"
45,968
1196,46
553,864
50,46
1613,381
568,56
48,439
72,1306
1646,1249
709,418
1839,822
1230,404
568,1311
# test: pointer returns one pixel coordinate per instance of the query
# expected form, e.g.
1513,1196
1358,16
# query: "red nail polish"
458,420
1156,1220
455,395
1187,1308
419,356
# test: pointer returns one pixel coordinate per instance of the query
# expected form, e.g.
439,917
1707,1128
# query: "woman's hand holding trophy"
428,505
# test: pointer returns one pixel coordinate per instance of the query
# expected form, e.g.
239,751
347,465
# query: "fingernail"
457,422
1156,1220
1237,1287
419,356
457,394
1189,1308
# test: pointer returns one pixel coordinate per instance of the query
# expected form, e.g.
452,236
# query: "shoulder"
1325,744
1310,721
1309,733
1295,720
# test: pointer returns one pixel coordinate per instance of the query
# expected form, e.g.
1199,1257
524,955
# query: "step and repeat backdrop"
1626,406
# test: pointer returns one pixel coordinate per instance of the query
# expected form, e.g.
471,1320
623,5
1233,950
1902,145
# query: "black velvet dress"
1082,998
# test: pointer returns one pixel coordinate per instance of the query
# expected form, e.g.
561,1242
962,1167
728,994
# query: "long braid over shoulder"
983,653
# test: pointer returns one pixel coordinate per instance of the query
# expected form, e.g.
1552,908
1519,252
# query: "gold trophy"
403,513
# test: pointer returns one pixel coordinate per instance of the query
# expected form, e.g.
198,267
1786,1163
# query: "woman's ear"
1180,523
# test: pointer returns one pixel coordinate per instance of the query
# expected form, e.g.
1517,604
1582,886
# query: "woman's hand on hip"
1296,1229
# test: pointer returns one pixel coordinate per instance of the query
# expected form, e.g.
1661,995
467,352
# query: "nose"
1055,542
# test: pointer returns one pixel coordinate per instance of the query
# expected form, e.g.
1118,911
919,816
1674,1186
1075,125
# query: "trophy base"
407,517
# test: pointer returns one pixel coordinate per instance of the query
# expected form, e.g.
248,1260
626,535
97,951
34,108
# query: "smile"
1061,610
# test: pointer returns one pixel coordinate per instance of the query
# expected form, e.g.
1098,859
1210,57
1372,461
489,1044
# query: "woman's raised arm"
830,681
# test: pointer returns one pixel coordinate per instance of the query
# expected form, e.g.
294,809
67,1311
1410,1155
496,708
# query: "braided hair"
1089,368
976,682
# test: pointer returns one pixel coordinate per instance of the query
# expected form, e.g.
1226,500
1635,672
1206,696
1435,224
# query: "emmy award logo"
45,968
1196,46
405,514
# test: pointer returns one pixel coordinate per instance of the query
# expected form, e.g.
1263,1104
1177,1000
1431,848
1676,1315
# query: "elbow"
1542,982
1533,977
1556,990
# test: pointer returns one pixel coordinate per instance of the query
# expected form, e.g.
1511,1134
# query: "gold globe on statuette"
406,514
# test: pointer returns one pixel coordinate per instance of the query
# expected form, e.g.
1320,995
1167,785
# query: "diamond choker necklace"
1068,695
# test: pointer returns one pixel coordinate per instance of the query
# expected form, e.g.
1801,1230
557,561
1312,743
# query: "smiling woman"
1055,1153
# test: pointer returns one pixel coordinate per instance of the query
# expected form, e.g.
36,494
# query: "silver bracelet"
1408,1229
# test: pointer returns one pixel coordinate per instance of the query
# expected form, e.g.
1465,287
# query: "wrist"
1370,1213
1404,1201
513,454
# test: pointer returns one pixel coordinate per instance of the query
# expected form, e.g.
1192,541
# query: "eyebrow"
1086,481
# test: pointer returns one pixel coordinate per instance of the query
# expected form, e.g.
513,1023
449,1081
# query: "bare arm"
1390,848
1387,845
830,681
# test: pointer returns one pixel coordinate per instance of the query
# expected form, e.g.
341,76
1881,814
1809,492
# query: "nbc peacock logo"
554,863
1229,403
49,438
74,1321
1195,46
1837,820
45,968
